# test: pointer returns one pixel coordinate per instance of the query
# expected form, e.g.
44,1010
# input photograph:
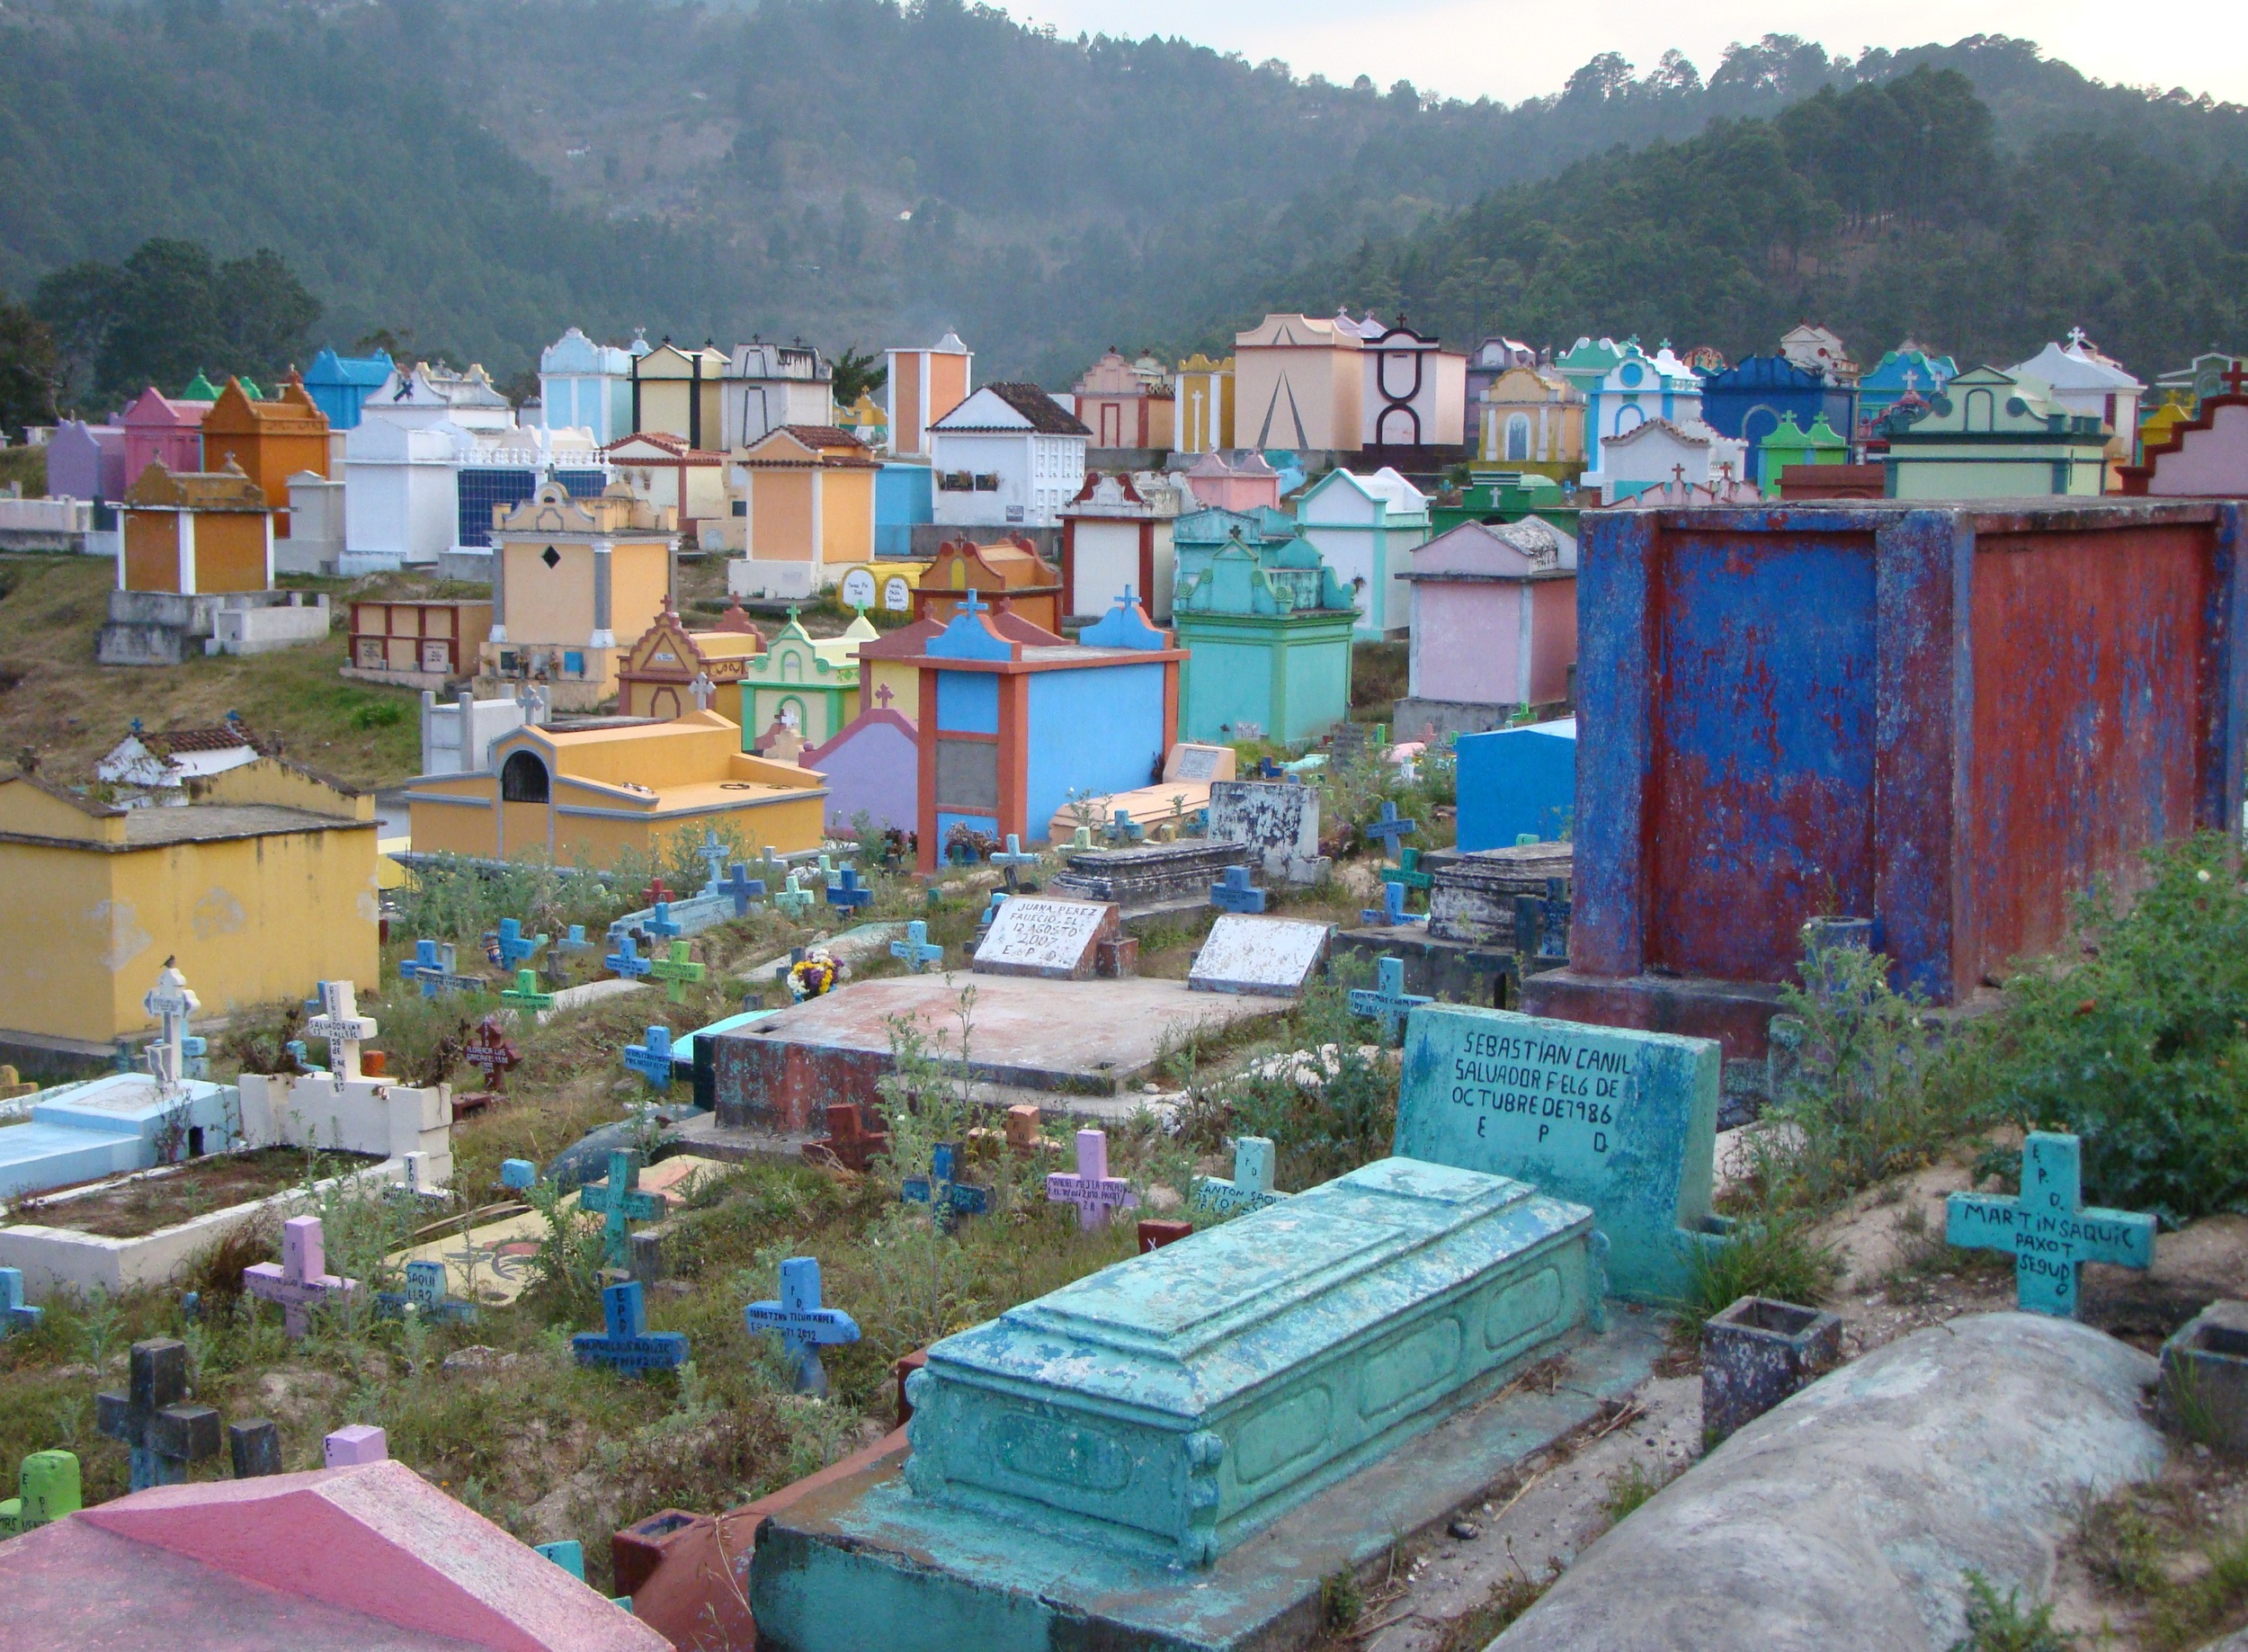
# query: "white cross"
2076,337
703,690
340,1023
172,1000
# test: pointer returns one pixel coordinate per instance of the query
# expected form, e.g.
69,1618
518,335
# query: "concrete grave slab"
1277,820
1272,958
1037,935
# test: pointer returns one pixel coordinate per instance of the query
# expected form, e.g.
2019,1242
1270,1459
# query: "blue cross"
2049,1229
1123,828
915,949
847,891
741,886
713,853
620,1202
973,602
515,947
659,922
944,1197
652,1059
1234,893
1012,856
1389,828
518,1174
1391,911
1387,1001
983,921
426,1294
627,961
15,1312
424,957
804,1327
629,1346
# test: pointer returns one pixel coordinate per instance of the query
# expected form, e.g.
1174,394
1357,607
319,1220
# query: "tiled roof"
224,738
1046,415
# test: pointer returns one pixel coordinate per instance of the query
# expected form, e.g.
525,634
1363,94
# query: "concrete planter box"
1756,1354
2204,1378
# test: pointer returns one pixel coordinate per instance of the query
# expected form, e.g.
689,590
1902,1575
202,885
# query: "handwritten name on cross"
170,1001
804,1324
1010,859
1234,893
164,1435
2048,1229
625,1343
917,950
652,1058
945,1198
1251,1188
426,1294
741,886
678,972
301,1280
492,1052
1389,828
526,997
339,1022
626,960
515,947
621,1202
1387,1001
1093,1189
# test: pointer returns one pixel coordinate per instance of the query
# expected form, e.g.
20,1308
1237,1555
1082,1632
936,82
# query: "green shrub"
1772,1257
1996,1625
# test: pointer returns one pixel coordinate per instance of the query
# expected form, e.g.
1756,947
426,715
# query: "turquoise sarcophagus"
1170,1405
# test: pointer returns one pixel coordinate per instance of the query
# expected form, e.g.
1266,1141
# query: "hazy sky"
1517,49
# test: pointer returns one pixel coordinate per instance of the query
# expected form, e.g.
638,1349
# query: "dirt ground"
159,1199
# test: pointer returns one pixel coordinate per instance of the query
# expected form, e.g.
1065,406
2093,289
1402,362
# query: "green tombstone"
1622,1120
49,1489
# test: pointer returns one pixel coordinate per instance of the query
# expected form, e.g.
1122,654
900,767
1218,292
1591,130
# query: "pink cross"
301,1278
1093,1189
882,695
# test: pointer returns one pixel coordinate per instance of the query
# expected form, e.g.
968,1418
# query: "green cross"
525,995
1407,872
676,970
621,1202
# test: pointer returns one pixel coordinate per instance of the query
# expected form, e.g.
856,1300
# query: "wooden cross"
917,951
2049,1230
625,1343
1251,1188
677,971
1389,828
1093,1189
945,1198
525,995
652,1058
339,1022
804,1324
621,1202
627,961
848,1140
1387,1001
1234,892
300,1279
741,886
166,1436
492,1053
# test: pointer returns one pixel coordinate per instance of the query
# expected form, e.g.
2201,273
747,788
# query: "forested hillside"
474,177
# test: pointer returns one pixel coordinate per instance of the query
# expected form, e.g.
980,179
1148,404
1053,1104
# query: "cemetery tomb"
1515,784
1927,749
1622,1121
1277,821
1472,895
1144,878
350,1113
1249,953
111,1125
1053,938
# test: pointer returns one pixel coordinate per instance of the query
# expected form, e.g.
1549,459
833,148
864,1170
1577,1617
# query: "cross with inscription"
1407,873
1012,858
170,1001
426,1294
48,1487
625,1343
1234,893
741,886
492,1053
1387,1001
848,1140
917,950
431,968
652,1058
15,1312
339,1022
515,947
714,855
1389,828
1093,1189
626,960
804,1327
677,971
301,1280
945,1198
166,1436
847,892
795,900
620,1201
2050,1230
1251,1188
525,995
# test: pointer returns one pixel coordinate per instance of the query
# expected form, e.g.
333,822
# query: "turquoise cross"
917,950
621,1202
2049,1230
627,961
1387,1001
1235,893
515,947
1012,857
1251,1188
794,900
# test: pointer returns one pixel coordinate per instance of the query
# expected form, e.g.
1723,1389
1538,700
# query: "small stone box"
2204,1378
1265,957
1172,1404
1056,939
1757,1352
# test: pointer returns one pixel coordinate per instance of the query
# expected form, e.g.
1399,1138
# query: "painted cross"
916,950
255,1448
620,1201
48,1487
944,1197
848,1140
515,947
795,900
426,1295
677,971
703,690
991,910
741,886
1080,841
714,855
1093,1189
2234,378
1013,857
339,1022
1251,1188
1389,828
660,923
1541,924
1123,828
1234,893
882,695
804,1324
627,961
576,941
431,967
847,892
164,1435
15,1312
1407,872
492,1052
170,1001
625,1343
652,1059
525,995
1392,912
1387,1001
2050,1230
655,892
518,1175
300,1279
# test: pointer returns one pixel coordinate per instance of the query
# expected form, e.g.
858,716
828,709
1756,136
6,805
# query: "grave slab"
1149,879
1623,1122
1276,820
1036,936
1272,958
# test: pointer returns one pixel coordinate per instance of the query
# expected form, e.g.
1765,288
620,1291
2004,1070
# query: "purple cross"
301,1279
1093,1189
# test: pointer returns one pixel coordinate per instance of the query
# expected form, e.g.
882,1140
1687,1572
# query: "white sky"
1517,49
